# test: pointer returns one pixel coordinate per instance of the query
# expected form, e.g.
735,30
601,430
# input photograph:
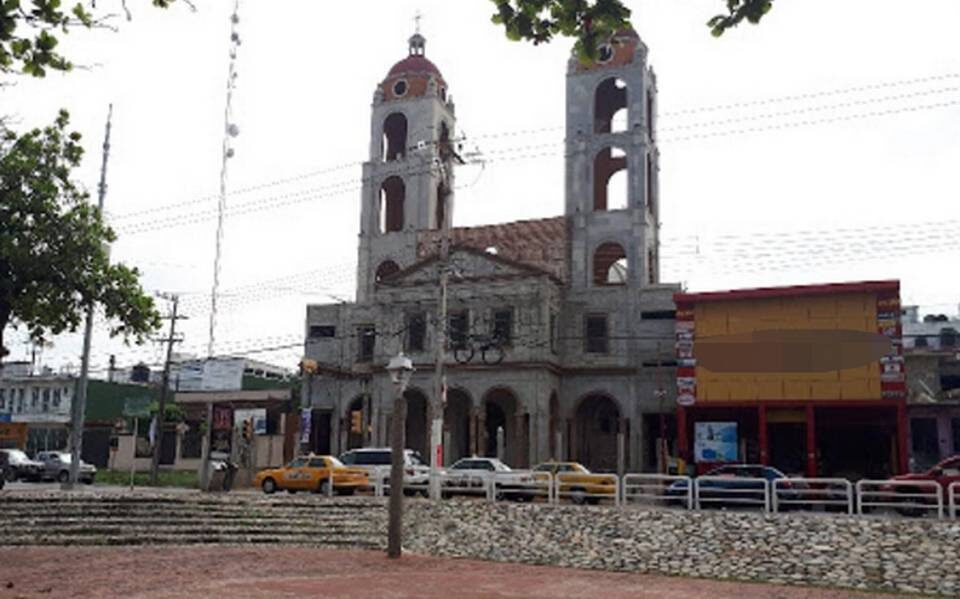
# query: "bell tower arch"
612,164
408,178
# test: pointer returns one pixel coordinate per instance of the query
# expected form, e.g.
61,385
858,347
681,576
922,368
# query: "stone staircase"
91,518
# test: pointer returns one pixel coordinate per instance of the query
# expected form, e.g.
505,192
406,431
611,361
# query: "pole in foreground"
79,405
161,409
400,369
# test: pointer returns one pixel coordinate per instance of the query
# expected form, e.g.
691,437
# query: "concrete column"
482,432
472,445
638,449
519,452
572,440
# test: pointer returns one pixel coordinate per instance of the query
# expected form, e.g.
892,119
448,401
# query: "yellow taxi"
578,483
312,473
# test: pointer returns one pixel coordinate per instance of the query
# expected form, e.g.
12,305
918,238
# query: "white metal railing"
728,491
953,498
656,489
454,483
810,493
582,488
908,497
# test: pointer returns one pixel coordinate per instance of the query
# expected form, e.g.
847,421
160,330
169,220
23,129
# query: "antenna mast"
230,131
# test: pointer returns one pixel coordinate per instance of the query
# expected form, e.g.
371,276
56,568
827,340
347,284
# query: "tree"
592,23
28,34
54,259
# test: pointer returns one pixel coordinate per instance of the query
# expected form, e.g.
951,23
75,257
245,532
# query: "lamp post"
400,369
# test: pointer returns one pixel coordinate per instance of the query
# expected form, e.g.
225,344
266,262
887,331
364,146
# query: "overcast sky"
820,146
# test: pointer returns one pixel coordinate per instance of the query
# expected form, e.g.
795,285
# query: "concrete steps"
92,518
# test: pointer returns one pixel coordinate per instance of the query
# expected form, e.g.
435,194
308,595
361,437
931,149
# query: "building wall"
846,311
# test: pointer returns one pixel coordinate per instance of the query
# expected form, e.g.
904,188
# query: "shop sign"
715,442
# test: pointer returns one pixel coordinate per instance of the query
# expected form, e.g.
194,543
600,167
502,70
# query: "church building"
559,334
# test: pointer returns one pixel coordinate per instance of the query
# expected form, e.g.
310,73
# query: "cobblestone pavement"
211,571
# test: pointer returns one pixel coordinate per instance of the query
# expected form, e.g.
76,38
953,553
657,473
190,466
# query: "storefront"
807,379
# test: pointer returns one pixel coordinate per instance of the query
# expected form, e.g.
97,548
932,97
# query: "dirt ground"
221,571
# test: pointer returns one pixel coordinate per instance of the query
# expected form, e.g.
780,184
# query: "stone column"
472,434
520,454
482,432
638,449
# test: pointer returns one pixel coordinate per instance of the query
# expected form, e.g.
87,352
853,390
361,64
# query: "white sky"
747,201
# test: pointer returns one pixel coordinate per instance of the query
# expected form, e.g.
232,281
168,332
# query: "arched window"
394,145
386,269
392,195
610,189
610,106
610,265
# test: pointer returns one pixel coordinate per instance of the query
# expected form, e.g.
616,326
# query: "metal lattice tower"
230,131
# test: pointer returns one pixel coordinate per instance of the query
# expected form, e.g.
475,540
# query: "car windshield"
64,457
297,463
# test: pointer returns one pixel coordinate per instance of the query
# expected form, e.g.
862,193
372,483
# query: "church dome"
415,76
415,64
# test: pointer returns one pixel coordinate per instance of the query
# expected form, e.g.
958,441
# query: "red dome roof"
414,64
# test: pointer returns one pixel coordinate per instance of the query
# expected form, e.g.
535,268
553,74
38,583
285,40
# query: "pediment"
467,264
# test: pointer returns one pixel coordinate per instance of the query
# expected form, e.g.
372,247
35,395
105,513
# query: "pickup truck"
470,476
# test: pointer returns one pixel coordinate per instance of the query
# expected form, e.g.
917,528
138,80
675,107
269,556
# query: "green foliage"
594,22
29,28
54,259
171,411
737,11
591,23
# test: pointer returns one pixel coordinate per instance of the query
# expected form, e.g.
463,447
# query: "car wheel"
269,486
11,476
64,476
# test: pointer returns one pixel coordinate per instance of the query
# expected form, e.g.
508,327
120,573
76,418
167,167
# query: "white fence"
729,491
812,493
656,490
908,497
953,498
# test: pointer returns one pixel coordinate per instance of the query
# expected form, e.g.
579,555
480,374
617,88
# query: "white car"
376,461
470,475
56,466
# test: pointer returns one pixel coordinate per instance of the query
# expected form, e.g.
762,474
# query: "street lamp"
400,369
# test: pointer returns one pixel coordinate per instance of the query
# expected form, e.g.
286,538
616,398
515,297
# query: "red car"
946,472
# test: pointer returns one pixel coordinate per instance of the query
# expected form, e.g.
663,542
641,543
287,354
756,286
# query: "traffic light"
356,421
248,429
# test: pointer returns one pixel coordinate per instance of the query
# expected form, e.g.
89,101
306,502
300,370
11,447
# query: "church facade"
559,333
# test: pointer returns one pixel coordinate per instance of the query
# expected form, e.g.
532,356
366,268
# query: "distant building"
932,350
41,400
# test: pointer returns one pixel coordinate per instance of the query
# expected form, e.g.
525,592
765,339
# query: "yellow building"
807,378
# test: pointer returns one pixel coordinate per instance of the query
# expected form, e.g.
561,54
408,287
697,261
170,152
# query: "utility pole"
161,412
79,406
439,373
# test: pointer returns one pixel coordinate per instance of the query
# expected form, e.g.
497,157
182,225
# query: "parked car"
469,475
56,466
944,474
578,483
312,473
376,461
729,485
18,466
